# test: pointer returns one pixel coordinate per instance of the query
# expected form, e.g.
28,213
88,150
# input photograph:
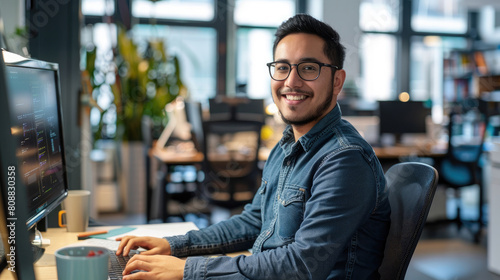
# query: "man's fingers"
134,276
127,243
137,262
123,241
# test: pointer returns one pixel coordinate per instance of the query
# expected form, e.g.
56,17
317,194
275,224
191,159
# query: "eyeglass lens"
306,70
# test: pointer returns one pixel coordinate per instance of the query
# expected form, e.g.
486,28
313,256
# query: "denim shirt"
321,212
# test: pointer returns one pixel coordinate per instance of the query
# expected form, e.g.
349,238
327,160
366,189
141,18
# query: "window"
379,15
98,7
255,50
408,56
263,13
446,16
202,10
257,21
195,48
378,56
379,19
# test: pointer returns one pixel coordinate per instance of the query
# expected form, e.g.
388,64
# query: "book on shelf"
481,65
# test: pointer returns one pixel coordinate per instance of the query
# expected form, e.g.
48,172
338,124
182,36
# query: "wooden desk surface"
171,157
426,150
404,151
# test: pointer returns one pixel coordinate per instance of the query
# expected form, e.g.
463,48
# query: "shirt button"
288,163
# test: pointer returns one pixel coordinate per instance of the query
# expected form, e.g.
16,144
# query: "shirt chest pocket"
290,212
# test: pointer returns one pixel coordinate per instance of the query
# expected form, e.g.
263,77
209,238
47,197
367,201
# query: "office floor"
444,252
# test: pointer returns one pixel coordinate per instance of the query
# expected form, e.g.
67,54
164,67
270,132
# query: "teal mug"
82,263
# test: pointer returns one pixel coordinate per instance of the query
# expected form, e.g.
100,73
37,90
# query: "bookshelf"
471,74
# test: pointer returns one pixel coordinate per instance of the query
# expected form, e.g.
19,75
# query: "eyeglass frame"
320,64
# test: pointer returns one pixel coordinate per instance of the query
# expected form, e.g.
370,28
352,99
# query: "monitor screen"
399,118
33,95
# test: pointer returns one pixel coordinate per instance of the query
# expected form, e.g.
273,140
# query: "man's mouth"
294,97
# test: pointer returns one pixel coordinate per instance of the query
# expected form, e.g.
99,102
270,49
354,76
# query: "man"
321,211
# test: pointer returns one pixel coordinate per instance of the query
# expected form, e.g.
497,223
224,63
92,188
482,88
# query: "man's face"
303,102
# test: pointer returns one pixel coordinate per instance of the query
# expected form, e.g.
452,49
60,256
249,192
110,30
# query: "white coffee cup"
76,207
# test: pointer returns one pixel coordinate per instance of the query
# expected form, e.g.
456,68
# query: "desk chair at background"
230,142
462,165
411,186
231,148
230,165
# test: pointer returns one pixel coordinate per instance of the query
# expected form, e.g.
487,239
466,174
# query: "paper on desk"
112,233
159,231
108,244
140,232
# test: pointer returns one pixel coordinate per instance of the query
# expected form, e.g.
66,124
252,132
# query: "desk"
394,152
45,269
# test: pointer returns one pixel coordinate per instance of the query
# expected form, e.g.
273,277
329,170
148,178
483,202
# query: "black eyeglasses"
308,71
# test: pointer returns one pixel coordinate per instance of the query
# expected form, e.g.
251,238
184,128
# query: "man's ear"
338,81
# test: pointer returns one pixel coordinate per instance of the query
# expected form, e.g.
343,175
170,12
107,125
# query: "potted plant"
145,83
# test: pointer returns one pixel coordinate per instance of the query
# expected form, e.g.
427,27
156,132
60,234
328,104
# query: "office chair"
411,187
230,164
462,165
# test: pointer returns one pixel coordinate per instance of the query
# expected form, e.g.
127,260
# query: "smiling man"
321,211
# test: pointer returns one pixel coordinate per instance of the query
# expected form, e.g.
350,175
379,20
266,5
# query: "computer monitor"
236,108
16,254
194,115
33,95
400,118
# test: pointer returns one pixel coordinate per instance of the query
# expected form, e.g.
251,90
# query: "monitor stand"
390,139
398,137
36,244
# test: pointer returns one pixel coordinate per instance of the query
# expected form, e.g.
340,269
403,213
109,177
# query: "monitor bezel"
14,60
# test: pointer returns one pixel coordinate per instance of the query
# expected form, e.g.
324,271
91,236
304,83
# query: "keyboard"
117,264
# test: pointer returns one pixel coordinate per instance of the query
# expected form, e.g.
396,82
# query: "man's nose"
293,80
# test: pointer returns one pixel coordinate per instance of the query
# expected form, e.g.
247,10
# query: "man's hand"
154,268
153,245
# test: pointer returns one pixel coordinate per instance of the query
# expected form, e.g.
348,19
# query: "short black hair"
304,23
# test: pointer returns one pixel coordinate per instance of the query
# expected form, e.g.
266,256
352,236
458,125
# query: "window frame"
404,36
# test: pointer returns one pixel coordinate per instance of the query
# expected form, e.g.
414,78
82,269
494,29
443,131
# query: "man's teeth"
295,97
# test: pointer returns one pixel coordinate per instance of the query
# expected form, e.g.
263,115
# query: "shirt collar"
309,138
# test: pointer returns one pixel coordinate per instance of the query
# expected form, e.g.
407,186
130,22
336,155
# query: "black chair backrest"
411,187
466,133
231,155
467,123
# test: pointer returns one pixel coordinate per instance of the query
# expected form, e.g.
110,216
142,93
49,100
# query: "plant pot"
133,177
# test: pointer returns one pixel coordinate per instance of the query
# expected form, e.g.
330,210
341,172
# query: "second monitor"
398,118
